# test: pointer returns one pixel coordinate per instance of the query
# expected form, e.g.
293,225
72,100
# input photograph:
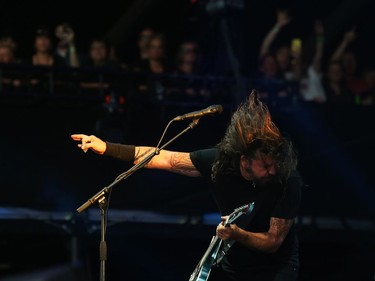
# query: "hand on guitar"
225,230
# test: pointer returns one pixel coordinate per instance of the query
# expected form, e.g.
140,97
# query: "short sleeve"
203,160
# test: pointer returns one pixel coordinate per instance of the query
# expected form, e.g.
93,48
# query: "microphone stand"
102,196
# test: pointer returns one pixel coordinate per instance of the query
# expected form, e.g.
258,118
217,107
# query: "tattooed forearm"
181,163
268,241
280,227
177,162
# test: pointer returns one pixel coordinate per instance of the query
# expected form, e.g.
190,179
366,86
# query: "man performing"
253,162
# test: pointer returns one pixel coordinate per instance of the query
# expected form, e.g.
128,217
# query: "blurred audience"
311,86
283,76
142,44
43,50
351,69
9,80
335,86
279,69
188,58
43,56
149,84
156,59
100,61
6,54
65,46
99,55
282,52
186,83
9,38
269,82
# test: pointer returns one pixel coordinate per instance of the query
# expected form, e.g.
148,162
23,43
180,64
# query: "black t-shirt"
275,199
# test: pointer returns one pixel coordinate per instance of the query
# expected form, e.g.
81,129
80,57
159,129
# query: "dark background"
121,21
43,170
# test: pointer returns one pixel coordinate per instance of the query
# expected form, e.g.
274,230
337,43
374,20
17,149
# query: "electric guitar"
217,248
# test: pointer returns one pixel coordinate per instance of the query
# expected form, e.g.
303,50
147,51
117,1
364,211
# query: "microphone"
211,110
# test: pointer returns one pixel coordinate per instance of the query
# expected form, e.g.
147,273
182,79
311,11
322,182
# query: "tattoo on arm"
268,241
280,227
181,163
177,162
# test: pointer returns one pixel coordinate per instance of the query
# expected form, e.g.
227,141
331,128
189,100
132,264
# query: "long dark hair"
251,131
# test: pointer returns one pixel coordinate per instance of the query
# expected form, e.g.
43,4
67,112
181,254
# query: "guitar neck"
215,243
217,248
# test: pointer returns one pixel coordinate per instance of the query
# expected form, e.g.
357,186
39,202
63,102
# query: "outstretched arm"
267,242
319,46
173,161
283,19
349,36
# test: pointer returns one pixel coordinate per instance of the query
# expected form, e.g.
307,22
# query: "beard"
264,180
261,180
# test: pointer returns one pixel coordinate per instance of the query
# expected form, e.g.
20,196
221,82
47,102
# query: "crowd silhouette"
284,73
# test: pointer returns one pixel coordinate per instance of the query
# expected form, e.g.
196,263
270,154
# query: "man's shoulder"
211,152
295,179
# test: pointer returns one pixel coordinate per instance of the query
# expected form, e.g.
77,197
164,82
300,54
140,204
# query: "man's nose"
271,170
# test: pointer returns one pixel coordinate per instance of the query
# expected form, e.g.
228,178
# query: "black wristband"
120,151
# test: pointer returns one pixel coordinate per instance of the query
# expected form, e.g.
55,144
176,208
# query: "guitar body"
217,248
203,270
